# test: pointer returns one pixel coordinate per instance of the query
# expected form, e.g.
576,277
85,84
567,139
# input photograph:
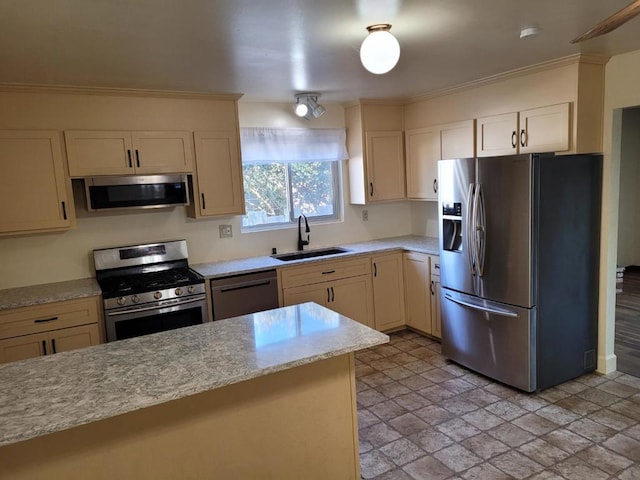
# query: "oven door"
133,322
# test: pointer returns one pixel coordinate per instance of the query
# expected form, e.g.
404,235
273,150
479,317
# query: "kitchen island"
267,395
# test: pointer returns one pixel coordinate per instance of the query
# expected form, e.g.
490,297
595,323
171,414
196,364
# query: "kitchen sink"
321,252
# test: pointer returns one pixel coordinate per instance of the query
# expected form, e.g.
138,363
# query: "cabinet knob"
514,139
435,185
523,138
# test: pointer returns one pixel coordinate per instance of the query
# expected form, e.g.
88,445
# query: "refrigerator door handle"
480,229
496,311
469,229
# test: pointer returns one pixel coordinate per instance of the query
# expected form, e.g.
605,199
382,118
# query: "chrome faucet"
307,230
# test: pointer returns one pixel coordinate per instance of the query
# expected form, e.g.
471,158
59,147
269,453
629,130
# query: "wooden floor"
627,342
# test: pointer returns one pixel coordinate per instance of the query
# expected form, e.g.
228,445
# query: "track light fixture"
307,105
380,51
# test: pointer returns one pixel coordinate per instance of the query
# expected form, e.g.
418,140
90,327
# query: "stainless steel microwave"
136,191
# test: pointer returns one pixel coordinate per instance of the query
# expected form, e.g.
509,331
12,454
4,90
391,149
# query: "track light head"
307,106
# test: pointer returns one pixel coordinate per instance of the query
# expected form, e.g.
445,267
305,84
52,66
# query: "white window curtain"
291,145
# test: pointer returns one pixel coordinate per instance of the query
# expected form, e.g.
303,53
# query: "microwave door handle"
469,230
482,308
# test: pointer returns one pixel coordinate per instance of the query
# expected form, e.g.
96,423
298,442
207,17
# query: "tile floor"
423,417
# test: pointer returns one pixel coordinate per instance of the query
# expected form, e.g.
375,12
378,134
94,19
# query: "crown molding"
126,92
518,72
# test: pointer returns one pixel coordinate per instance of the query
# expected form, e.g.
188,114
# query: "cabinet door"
353,298
218,185
458,140
74,337
319,293
417,291
385,165
99,153
34,193
545,129
388,291
423,153
162,152
21,348
497,135
436,316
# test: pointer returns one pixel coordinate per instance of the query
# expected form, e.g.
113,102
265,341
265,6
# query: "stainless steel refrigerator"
519,258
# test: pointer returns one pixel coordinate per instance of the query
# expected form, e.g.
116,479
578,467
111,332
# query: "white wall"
621,90
629,214
65,256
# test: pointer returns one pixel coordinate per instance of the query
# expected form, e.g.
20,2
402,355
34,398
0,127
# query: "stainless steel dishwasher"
241,294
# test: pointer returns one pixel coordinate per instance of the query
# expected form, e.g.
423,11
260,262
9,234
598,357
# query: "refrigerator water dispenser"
452,227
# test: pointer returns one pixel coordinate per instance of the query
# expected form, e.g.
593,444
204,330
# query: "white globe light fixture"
380,51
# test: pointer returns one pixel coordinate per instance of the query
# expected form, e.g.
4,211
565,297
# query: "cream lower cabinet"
217,184
388,291
343,286
126,153
537,130
51,328
35,193
422,292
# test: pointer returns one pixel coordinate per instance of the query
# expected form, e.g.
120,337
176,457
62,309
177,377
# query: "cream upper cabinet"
388,291
417,291
35,194
423,153
425,146
537,130
375,142
127,153
218,186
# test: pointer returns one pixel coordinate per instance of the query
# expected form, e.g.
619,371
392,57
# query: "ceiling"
271,49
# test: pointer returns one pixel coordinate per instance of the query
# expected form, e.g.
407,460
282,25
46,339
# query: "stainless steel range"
149,288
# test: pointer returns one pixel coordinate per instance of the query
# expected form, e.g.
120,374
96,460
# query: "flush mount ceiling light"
307,105
380,51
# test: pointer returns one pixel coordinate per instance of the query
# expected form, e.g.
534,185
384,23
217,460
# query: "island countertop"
49,394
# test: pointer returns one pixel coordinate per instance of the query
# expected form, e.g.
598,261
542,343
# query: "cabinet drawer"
435,266
324,271
51,316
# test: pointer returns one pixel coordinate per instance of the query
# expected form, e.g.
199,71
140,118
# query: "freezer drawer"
491,338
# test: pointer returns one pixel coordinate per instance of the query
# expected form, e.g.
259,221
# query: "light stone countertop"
88,287
48,292
413,243
53,393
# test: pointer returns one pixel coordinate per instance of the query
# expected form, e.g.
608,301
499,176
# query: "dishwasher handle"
243,285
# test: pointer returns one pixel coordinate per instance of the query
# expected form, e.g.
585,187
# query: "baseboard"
607,364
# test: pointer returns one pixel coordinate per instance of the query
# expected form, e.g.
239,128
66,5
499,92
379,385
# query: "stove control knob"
122,300
135,299
191,289
179,291
157,295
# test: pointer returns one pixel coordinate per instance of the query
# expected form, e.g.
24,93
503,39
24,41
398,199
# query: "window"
289,172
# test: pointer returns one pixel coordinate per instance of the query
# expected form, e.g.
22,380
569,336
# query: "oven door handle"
199,298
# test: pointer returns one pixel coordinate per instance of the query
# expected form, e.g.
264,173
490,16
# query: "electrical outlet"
365,215
225,231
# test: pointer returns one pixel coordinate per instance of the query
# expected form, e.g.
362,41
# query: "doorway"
627,328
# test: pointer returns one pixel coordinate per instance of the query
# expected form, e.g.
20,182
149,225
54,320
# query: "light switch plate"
226,231
365,215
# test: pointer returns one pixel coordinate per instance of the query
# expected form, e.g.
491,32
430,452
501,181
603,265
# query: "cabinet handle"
129,155
137,158
371,189
328,295
44,346
333,295
44,320
432,292
514,139
64,211
523,138
204,204
435,185
328,272
375,270
437,266
53,343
